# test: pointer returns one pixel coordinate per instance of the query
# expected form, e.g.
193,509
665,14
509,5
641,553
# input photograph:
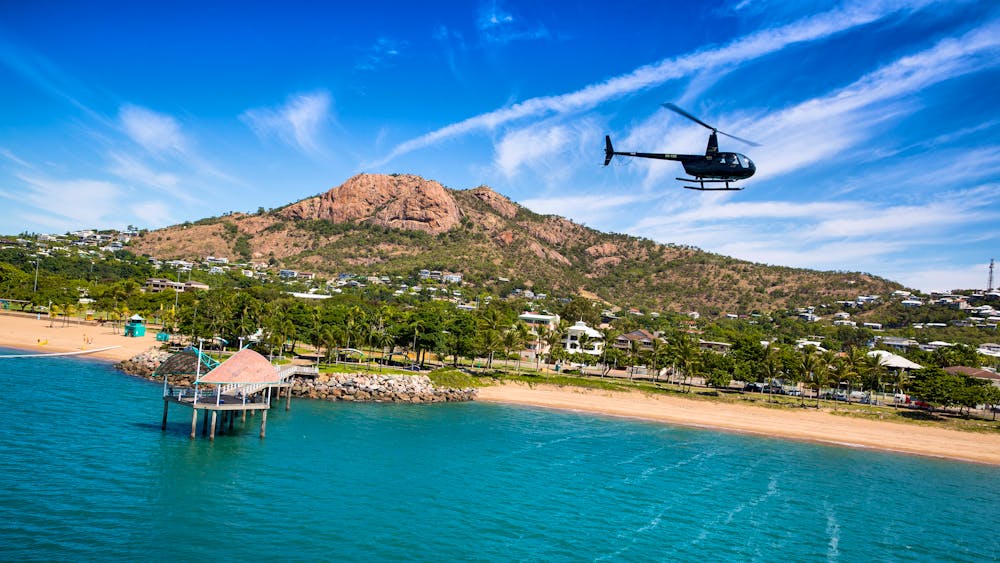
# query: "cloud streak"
156,132
740,51
298,122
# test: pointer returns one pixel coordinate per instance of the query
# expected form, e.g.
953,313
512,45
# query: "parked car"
793,391
754,387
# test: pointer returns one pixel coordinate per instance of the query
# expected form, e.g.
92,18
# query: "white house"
574,335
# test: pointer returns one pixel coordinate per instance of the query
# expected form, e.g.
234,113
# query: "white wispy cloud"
851,235
134,171
153,213
71,203
298,122
585,209
819,128
380,54
973,276
156,132
499,26
739,51
9,155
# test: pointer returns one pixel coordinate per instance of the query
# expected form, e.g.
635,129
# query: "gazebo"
241,383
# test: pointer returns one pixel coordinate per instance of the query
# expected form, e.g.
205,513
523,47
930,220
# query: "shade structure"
890,360
243,367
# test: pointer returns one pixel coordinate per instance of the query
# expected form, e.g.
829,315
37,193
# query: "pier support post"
263,423
243,417
211,432
232,419
288,397
166,403
194,423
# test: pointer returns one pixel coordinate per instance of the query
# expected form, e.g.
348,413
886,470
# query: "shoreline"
33,335
26,333
805,426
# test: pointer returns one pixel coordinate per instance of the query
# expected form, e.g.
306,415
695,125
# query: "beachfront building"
643,340
582,338
538,325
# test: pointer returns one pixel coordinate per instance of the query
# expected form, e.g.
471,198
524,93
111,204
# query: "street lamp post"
37,260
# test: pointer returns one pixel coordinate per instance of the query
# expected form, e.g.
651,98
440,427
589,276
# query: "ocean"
87,473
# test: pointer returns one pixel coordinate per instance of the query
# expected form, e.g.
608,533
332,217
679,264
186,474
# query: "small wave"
833,531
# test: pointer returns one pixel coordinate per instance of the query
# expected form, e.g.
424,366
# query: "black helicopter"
713,167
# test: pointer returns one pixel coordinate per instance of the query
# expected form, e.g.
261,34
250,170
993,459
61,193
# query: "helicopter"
713,167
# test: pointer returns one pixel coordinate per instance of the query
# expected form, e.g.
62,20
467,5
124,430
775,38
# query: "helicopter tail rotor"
680,111
609,151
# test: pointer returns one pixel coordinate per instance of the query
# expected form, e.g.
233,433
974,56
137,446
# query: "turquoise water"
87,473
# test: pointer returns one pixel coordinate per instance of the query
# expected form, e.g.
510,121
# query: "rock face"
400,202
497,202
378,388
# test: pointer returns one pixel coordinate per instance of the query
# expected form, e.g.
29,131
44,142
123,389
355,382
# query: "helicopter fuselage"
721,165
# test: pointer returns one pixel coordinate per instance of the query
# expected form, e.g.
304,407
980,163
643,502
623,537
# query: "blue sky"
878,120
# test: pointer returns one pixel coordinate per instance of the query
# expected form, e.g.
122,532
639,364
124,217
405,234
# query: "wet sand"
35,335
797,424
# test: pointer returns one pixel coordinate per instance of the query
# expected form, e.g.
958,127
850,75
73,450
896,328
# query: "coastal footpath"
354,387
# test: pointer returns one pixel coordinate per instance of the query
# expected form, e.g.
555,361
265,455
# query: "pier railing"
291,370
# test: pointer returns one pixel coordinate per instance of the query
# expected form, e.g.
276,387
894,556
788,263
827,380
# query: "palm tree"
327,340
68,311
54,312
552,338
610,337
491,321
857,369
687,354
772,369
874,370
808,365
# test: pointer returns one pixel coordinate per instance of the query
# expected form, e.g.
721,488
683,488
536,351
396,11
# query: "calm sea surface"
86,473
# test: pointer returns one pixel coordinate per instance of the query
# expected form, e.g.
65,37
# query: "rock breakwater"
378,388
144,363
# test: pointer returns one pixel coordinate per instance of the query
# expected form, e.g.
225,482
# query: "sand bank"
36,335
798,424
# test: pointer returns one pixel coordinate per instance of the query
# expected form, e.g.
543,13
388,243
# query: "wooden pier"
242,385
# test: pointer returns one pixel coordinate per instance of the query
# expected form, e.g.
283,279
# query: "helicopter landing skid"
701,187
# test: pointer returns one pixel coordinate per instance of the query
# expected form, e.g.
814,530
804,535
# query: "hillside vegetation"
398,224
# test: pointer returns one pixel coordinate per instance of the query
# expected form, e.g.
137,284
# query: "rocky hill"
398,224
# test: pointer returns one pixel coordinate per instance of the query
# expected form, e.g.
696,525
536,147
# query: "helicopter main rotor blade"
679,111
751,143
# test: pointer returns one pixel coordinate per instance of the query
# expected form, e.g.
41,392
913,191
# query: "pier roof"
243,367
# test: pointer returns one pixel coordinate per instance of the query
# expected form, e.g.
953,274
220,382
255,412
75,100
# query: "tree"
874,371
687,355
808,365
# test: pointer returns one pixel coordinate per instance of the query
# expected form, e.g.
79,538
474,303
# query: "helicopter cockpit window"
743,161
731,160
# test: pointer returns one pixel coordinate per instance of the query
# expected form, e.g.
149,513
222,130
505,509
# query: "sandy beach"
35,335
797,424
